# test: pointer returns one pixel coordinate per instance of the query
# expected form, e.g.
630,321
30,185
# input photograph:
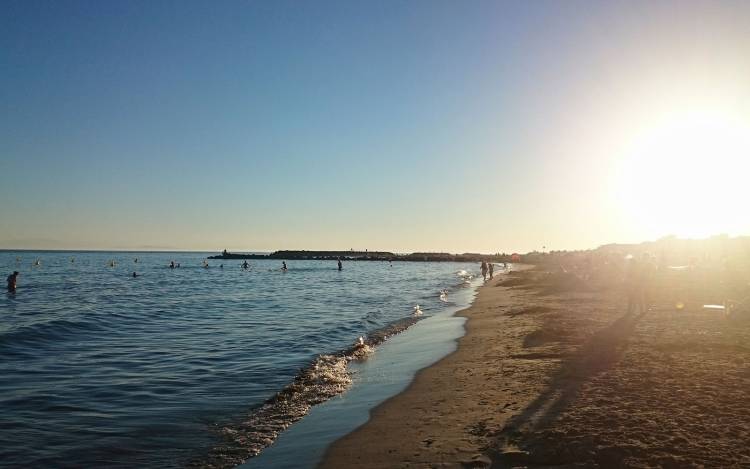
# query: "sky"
479,126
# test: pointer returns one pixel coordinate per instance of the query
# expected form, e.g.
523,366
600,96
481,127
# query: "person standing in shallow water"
339,264
484,270
12,281
491,268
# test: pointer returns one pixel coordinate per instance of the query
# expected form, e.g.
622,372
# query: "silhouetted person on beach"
491,268
484,270
340,265
637,279
12,281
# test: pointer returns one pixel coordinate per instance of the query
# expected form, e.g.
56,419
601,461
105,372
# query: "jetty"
352,255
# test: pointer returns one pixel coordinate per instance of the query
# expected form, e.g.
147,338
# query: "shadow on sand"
599,353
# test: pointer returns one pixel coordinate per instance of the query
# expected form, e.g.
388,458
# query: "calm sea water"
101,369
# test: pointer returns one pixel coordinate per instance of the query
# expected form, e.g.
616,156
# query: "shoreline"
437,419
383,374
553,371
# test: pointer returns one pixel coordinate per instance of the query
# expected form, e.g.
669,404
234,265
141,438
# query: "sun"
688,175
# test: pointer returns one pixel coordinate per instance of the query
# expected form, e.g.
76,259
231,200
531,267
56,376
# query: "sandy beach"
552,371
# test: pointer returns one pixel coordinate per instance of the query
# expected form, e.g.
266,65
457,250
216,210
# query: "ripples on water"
99,368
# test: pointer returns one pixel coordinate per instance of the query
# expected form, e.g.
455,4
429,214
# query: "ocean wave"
52,330
325,377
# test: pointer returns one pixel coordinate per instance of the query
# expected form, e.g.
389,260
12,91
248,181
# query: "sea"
208,363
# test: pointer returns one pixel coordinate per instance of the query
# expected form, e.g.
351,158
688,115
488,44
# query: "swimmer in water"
12,281
339,264
245,265
171,265
283,265
135,275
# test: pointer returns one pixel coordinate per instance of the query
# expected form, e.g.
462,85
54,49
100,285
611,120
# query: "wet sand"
553,372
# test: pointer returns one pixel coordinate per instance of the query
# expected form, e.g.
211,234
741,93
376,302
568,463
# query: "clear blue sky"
415,125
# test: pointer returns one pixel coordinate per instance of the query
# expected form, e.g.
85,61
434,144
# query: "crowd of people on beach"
680,277
487,268
640,276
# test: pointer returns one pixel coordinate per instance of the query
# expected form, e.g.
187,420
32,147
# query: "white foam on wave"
327,376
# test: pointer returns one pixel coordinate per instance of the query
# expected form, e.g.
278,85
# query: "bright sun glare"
688,176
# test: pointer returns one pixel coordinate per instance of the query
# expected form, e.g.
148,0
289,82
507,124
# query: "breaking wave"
325,377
